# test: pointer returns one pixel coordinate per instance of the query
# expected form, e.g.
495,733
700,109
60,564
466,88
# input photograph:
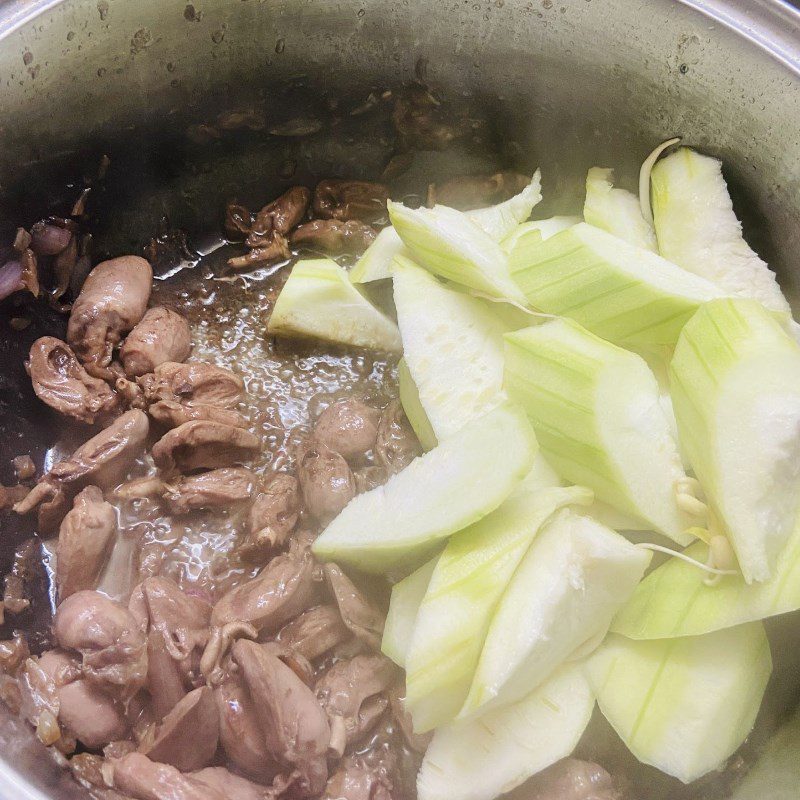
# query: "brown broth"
288,383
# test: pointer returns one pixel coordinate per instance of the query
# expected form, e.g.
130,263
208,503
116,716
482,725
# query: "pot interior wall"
560,84
564,84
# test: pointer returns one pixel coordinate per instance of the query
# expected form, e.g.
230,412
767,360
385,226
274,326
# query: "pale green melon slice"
735,383
675,600
619,291
376,262
449,244
683,705
452,346
544,228
596,411
489,756
697,228
318,301
441,492
616,210
501,219
571,582
470,577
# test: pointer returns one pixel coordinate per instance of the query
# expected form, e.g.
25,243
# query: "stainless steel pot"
565,84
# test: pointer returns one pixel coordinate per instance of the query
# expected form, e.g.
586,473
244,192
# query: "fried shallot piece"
334,236
346,200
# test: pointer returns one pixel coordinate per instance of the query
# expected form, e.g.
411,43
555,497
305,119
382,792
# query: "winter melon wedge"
470,577
735,380
596,411
616,210
619,291
449,244
612,518
376,262
571,582
544,228
497,221
409,397
404,605
455,484
697,228
486,757
318,301
674,599
501,219
452,346
683,705
541,476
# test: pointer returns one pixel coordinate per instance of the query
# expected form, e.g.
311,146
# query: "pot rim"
771,25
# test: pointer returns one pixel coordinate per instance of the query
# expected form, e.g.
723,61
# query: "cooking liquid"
287,382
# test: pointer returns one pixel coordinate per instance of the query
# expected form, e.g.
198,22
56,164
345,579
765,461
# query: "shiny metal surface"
567,84
567,80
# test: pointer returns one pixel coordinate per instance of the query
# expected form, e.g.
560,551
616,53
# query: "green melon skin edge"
735,384
470,577
407,596
620,292
683,705
598,417
409,398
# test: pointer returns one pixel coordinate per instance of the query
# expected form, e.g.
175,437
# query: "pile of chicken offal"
270,684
